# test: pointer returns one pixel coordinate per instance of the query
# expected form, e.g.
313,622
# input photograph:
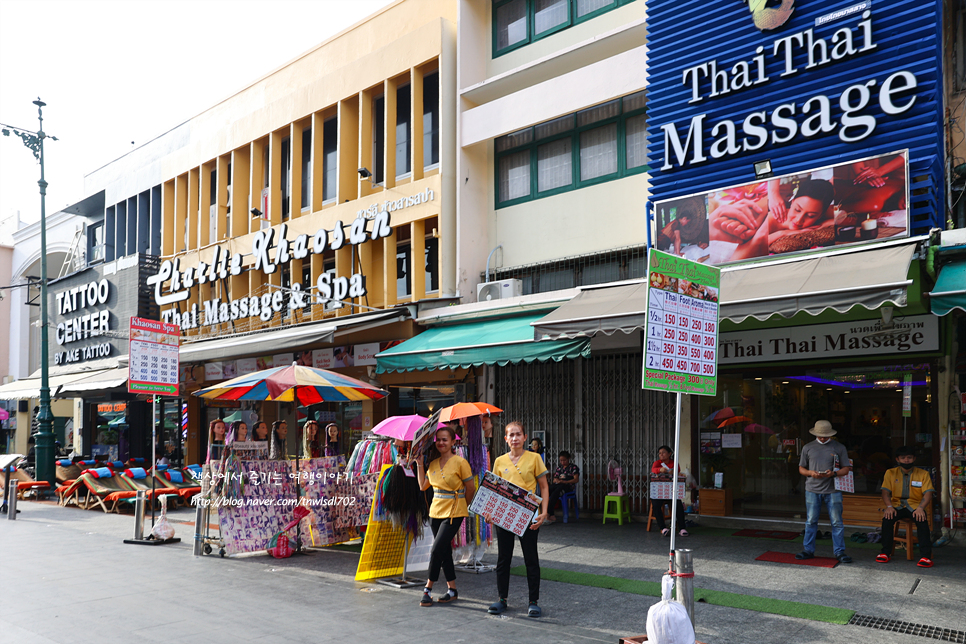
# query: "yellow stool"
616,507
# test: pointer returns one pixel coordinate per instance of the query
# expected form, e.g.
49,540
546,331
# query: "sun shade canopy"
501,342
950,290
598,310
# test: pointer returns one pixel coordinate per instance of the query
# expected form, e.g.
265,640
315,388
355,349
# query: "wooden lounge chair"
138,479
65,470
181,481
98,487
25,484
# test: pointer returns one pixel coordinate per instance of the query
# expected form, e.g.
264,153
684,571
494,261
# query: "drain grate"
897,626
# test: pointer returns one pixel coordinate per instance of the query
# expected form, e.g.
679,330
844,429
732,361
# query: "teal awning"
950,290
501,341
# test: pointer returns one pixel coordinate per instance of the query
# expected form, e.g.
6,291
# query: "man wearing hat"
823,460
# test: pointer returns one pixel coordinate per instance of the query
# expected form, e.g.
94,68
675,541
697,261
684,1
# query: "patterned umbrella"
305,385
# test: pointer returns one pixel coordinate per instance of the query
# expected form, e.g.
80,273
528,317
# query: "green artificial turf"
800,610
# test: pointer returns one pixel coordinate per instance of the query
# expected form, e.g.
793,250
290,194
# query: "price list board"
681,338
504,504
153,357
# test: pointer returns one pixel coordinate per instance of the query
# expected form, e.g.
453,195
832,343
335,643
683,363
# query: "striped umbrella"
305,385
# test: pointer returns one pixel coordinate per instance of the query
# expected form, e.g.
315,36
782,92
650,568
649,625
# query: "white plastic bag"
163,528
667,620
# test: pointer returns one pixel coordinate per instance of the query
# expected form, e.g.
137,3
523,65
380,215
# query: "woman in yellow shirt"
527,470
453,490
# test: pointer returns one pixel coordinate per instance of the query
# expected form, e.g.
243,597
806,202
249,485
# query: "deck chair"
66,471
138,478
99,487
181,481
25,484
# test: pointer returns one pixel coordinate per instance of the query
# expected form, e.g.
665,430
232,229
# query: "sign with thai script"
681,336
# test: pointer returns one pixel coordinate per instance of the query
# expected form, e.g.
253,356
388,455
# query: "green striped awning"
500,341
950,290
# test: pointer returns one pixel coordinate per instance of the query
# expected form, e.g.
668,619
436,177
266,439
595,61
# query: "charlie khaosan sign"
153,357
504,504
681,341
850,203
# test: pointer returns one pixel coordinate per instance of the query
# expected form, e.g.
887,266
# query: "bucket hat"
822,428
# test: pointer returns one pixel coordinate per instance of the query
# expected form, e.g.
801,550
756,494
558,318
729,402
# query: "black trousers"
442,553
556,489
922,529
657,508
528,543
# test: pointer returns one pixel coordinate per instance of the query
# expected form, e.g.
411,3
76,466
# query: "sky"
117,73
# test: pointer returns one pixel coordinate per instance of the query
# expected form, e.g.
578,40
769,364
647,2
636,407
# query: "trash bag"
281,546
163,529
667,620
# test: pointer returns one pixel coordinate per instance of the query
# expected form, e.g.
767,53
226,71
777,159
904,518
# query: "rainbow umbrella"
305,385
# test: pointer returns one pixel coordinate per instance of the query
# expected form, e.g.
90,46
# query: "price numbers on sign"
504,504
154,348
682,325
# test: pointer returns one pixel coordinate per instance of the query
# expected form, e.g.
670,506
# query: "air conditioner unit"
498,290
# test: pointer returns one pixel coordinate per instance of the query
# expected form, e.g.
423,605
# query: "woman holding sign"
453,490
527,470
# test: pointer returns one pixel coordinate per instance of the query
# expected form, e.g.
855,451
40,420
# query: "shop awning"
84,383
596,310
500,341
949,292
26,388
839,281
283,340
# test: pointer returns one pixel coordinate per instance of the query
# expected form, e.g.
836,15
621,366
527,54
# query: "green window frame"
532,11
523,148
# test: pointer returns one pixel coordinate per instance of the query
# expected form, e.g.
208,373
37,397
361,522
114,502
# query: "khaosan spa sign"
272,249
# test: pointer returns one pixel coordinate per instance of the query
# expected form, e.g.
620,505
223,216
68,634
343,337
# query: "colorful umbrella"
732,421
306,385
401,427
4,414
465,410
721,414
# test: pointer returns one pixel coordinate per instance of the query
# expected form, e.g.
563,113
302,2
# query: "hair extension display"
473,444
403,502
370,455
474,532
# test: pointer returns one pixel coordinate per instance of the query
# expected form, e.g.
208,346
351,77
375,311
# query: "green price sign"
681,345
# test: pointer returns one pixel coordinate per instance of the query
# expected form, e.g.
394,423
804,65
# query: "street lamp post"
44,448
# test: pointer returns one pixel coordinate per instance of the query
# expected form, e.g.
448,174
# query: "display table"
714,502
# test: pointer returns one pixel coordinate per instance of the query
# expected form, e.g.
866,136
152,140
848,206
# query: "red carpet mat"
789,558
767,534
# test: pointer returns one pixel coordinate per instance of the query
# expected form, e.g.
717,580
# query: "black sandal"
451,595
427,599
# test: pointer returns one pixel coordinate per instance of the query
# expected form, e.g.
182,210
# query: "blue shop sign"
802,84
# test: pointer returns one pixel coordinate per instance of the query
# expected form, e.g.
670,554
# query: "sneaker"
665,532
882,557
683,533
925,562
534,610
805,554
427,599
497,607
450,595
844,558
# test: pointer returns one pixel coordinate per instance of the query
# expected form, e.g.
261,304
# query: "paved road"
67,577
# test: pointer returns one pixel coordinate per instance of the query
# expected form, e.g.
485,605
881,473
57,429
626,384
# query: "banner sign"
681,338
153,366
915,334
840,205
504,504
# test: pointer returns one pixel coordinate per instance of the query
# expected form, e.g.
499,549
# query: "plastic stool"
615,507
564,502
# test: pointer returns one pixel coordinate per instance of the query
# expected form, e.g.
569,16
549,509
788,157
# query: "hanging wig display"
402,502
473,444
369,456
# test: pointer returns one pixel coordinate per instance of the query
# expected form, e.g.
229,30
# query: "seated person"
663,467
564,480
907,492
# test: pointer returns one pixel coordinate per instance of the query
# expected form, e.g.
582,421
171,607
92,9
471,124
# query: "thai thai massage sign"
504,504
153,366
681,340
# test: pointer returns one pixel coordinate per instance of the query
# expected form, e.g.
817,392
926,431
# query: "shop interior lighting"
763,169
784,382
757,378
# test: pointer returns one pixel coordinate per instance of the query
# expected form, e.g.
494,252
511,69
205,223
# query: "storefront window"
753,431
111,433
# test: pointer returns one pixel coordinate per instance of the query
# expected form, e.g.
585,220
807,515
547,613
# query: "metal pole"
674,477
684,585
45,439
11,499
139,515
154,462
200,521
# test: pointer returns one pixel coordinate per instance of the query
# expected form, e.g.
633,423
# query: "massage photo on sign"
853,202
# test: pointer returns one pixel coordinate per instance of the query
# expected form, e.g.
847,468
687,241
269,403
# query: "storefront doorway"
753,431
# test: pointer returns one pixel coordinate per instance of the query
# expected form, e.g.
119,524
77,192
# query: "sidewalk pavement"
67,577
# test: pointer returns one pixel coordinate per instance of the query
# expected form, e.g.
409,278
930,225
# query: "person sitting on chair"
662,467
907,492
565,479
